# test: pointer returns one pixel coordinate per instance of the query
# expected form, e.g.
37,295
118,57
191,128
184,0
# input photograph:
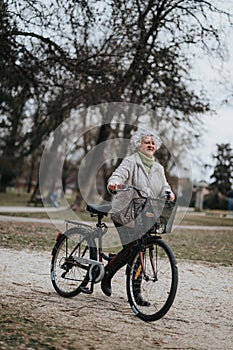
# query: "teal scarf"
147,162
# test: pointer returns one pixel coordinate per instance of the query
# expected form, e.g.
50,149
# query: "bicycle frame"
98,232
99,228
78,263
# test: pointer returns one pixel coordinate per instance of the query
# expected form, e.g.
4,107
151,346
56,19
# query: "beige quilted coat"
132,172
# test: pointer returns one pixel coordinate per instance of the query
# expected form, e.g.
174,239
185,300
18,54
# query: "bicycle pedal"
86,290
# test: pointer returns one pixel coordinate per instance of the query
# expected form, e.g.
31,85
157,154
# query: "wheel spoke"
67,274
151,292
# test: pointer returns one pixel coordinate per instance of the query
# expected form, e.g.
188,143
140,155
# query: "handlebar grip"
168,194
118,188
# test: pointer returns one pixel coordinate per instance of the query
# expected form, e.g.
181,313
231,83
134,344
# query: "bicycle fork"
141,270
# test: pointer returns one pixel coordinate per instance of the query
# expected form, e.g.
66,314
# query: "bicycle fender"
58,239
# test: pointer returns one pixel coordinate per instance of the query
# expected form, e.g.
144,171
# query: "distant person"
52,199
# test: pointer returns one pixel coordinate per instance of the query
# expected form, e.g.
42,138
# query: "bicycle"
78,260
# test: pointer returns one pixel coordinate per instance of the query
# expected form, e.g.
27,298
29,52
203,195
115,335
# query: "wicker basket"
154,215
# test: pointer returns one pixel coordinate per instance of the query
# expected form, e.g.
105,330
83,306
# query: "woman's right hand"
112,187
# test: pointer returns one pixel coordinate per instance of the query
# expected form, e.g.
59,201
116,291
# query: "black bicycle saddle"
99,209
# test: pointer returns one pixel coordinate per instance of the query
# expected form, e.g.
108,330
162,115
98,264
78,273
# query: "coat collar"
141,165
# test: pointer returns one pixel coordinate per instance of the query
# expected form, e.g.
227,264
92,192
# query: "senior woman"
140,170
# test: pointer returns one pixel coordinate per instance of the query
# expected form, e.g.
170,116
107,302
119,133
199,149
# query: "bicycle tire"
67,276
159,284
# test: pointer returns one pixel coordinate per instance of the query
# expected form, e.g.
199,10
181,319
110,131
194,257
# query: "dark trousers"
126,234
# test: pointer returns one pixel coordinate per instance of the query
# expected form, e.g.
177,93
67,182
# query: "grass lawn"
207,218
14,199
191,218
211,246
18,199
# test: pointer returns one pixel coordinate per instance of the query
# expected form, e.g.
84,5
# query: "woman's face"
148,146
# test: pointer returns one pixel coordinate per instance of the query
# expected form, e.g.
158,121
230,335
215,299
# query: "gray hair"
139,136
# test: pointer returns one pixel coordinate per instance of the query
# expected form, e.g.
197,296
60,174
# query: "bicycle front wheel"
152,285
67,273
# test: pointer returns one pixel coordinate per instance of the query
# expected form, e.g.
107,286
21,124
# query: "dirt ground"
200,318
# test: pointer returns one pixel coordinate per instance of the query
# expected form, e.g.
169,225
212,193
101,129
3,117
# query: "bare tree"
76,54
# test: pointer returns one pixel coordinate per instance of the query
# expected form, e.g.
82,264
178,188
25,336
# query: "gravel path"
200,318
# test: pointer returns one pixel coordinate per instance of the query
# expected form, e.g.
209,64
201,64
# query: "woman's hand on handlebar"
112,187
172,197
169,195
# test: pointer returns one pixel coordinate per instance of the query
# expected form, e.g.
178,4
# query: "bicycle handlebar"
122,187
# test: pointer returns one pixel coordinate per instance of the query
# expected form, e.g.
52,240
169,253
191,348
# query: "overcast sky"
217,78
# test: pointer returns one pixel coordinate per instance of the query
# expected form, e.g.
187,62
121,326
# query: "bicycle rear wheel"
67,274
152,292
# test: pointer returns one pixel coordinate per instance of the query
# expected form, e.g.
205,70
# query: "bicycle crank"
96,272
